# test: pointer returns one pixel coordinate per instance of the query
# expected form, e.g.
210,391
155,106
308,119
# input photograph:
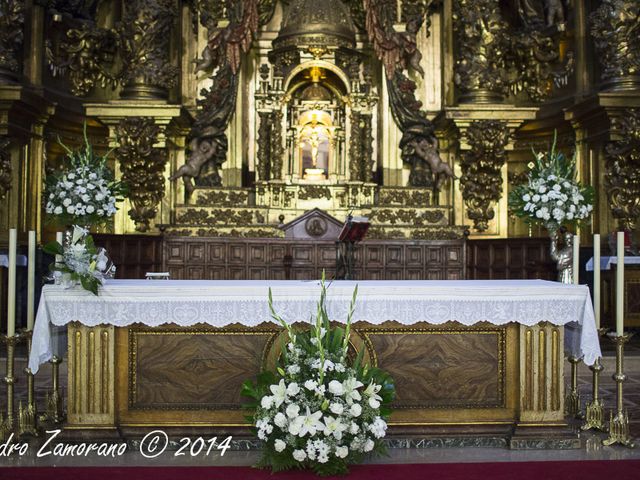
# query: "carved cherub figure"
428,152
202,150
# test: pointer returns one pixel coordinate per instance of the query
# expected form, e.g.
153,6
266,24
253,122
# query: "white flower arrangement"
322,410
84,192
552,196
80,261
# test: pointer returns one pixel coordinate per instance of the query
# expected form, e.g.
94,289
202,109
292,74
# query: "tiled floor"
592,448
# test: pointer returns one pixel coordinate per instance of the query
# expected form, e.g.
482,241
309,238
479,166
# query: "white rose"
544,198
71,209
279,445
90,209
336,408
342,452
293,410
526,197
536,198
368,446
266,402
355,410
293,389
280,420
299,455
354,428
57,210
66,202
336,387
293,369
310,384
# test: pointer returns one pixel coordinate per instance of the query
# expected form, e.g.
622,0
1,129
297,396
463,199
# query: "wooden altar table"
480,359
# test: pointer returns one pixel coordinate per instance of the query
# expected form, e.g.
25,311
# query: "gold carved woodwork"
91,370
5,167
623,169
217,216
225,198
308,192
145,33
85,55
481,166
142,167
11,38
541,373
614,28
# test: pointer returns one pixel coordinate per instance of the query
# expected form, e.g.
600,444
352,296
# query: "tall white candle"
31,280
11,289
620,285
576,257
59,240
596,277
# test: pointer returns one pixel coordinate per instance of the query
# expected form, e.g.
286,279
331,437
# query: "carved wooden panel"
221,258
510,258
192,369
135,255
436,368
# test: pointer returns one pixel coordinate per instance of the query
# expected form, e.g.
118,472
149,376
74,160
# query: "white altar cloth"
219,303
606,262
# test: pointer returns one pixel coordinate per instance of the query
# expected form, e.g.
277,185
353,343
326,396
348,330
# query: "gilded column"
145,32
622,179
481,41
11,39
614,28
91,374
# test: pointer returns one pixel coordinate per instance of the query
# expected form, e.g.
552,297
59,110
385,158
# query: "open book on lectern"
354,229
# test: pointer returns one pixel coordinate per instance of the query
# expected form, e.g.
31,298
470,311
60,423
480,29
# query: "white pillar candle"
620,285
576,257
11,289
59,240
31,279
596,277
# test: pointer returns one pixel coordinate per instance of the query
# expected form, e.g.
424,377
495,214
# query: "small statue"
555,13
202,149
428,151
563,256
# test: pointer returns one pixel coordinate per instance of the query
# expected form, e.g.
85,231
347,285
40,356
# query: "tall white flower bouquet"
322,409
84,192
80,261
552,196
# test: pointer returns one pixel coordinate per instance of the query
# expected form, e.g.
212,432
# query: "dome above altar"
313,24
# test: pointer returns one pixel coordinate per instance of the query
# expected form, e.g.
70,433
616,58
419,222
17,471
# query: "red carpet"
586,470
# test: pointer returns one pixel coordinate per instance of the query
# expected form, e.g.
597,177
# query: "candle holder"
619,422
8,423
594,417
572,400
27,415
55,410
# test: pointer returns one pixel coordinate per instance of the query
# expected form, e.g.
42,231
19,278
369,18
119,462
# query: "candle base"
27,415
572,400
619,422
594,412
55,408
8,423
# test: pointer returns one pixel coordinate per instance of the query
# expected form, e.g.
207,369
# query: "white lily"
350,386
372,392
279,392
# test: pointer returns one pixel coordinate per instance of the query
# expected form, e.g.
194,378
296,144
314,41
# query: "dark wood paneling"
510,258
135,255
294,259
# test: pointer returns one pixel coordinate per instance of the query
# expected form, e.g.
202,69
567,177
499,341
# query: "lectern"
353,231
